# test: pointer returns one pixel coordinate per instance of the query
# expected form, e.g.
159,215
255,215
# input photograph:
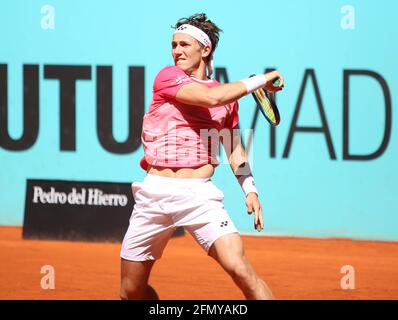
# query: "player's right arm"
200,95
172,83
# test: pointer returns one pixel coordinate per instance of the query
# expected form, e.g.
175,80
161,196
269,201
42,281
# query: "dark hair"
199,20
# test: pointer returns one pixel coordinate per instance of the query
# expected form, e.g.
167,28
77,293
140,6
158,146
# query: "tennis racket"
266,103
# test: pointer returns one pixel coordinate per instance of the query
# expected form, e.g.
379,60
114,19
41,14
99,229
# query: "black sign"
75,210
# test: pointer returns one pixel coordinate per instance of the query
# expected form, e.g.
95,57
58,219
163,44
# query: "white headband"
202,37
194,32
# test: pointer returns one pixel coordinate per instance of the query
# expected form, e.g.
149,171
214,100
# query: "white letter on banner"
37,191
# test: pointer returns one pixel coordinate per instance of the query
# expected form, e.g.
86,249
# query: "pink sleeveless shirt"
176,135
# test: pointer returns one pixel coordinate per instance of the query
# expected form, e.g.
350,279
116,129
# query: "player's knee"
130,290
246,278
241,271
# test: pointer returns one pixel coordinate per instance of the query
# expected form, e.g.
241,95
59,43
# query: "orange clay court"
295,268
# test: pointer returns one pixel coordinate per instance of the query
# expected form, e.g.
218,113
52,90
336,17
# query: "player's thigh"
228,251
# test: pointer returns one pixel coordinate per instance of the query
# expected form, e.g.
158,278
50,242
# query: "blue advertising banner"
76,78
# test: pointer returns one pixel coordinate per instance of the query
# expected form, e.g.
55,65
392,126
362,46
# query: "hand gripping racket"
266,103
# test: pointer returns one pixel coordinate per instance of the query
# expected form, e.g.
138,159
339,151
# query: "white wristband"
254,83
248,185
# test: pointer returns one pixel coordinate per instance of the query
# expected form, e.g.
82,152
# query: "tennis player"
177,190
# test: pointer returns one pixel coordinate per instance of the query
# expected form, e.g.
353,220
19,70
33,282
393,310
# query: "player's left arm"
239,163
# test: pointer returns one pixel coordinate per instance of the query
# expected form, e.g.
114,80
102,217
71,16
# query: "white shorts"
162,204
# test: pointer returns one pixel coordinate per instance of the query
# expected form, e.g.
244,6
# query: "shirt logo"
180,79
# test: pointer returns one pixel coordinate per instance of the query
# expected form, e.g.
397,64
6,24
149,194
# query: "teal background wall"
305,192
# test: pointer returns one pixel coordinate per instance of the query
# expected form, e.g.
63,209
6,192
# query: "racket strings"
265,104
